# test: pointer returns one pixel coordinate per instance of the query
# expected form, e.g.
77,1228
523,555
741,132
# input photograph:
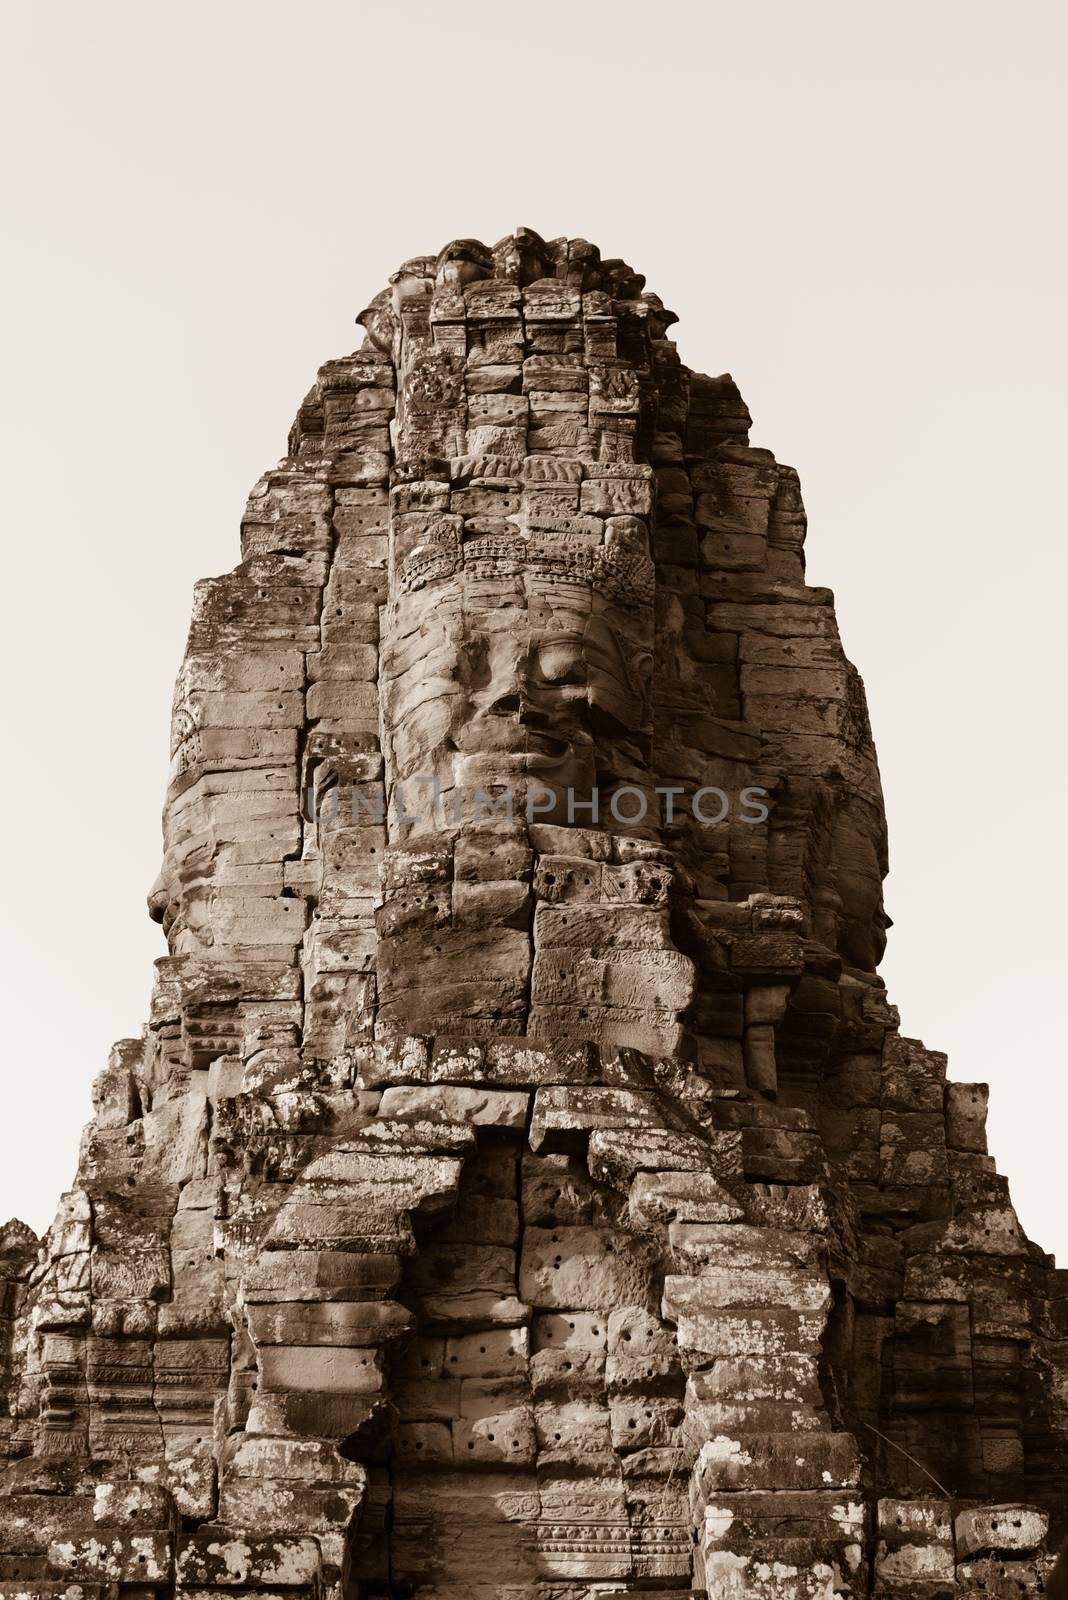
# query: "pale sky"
857,211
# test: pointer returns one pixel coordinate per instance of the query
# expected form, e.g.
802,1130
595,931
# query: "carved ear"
637,663
640,669
184,724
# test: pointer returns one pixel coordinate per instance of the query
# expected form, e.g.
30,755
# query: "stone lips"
524,1209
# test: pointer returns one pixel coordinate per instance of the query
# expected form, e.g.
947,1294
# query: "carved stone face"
505,683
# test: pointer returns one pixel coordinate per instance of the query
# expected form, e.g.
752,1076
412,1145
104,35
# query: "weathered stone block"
215,1562
1001,1530
582,1268
484,1108
326,1369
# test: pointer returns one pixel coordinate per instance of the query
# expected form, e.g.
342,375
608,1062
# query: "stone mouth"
516,745
548,747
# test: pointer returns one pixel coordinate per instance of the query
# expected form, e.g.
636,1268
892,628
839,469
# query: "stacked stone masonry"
537,1206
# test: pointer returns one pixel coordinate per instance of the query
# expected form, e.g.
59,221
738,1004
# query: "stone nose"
509,704
520,702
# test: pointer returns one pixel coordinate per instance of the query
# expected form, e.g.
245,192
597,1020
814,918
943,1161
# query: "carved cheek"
413,676
419,739
612,693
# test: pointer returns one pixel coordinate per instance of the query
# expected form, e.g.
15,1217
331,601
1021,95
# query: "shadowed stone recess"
521,1189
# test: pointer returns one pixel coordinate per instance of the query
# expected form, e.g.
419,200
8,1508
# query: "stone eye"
562,663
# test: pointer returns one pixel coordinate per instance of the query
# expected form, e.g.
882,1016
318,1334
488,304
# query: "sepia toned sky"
856,211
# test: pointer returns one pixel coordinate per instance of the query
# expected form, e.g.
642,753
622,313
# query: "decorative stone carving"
522,1187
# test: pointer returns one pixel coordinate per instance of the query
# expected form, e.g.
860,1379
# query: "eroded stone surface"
517,1203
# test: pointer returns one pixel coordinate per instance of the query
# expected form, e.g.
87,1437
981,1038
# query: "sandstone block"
580,1268
484,1108
327,1369
1000,1530
229,1563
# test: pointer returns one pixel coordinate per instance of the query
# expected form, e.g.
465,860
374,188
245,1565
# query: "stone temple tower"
521,1189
